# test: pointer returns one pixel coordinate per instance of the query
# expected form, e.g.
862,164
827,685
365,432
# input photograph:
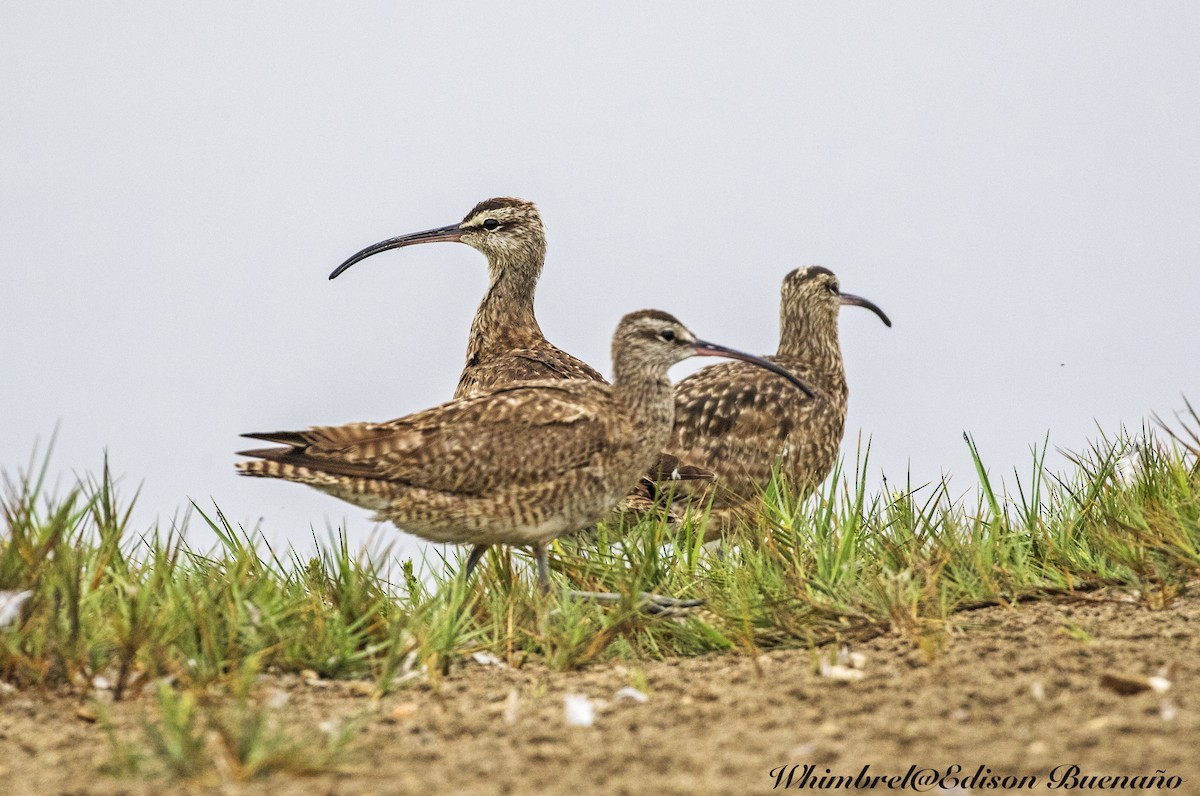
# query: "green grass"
151,615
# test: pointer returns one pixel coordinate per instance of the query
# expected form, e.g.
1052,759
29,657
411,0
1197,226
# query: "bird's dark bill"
451,233
706,349
859,301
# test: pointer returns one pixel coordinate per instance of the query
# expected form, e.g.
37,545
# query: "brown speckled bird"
514,465
506,344
731,420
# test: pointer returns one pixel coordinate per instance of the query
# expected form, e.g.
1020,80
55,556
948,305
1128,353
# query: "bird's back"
742,423
537,361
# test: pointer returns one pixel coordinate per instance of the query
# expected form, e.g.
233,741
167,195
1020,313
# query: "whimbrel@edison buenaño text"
515,465
742,427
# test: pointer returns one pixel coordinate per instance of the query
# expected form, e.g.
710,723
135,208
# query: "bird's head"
507,231
811,298
657,340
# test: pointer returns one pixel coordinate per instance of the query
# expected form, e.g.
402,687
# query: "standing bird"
744,427
516,465
505,344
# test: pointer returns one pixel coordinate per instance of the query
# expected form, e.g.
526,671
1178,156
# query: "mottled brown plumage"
518,464
506,343
742,423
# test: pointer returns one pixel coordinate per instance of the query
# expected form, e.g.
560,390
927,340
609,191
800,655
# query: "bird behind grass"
513,465
745,428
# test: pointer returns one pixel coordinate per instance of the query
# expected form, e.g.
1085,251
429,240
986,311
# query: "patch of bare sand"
1017,690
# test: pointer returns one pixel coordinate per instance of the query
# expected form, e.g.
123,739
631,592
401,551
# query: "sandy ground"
1017,690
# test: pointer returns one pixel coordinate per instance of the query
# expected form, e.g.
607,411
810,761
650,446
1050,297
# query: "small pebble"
1125,684
277,698
360,688
829,729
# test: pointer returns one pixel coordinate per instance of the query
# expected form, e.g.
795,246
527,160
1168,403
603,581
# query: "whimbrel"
506,344
743,427
515,465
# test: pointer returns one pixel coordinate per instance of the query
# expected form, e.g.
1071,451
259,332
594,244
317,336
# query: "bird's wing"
732,398
732,420
670,468
502,438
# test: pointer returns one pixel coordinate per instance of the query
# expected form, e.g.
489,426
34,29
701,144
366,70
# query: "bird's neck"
505,320
811,347
648,399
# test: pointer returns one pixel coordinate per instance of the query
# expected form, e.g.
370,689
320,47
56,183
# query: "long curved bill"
451,233
707,349
859,301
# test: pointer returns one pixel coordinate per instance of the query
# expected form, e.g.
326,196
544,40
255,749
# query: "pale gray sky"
1016,184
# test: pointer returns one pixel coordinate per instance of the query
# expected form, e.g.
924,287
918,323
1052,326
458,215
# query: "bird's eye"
667,334
491,224
833,288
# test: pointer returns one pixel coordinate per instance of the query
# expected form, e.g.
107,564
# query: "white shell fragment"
1159,684
579,711
486,659
10,606
847,665
837,671
630,693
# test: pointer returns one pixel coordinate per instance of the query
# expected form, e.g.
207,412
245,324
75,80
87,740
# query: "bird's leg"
543,567
476,553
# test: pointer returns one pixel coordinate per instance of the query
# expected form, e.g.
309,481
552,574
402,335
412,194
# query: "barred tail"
266,468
